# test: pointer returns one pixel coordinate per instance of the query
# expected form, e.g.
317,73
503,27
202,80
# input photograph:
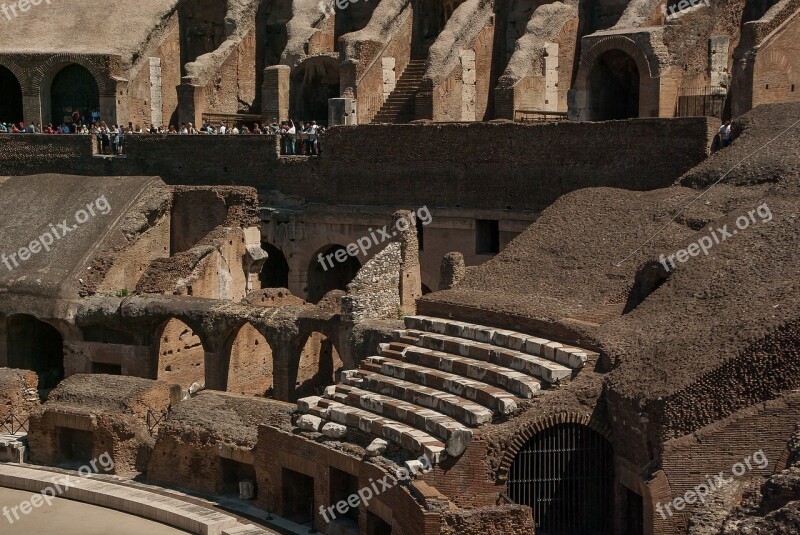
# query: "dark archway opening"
73,89
38,346
565,473
10,97
614,87
330,273
275,273
313,82
202,26
298,497
430,18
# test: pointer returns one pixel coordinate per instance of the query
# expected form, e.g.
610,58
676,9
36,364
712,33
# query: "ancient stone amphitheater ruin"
524,287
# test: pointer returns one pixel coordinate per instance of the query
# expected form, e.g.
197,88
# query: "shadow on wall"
330,274
318,366
250,363
38,346
181,356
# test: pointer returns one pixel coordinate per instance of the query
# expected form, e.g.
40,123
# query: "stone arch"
531,429
181,354
648,73
33,344
317,365
44,73
73,87
19,73
614,87
11,108
565,473
326,273
249,363
312,82
275,273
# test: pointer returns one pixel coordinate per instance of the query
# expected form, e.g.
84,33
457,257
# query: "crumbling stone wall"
374,293
96,414
492,520
18,394
207,432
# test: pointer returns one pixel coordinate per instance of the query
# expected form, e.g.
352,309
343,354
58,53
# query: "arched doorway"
614,87
565,473
38,346
313,82
73,88
318,366
250,363
275,273
326,273
181,356
10,97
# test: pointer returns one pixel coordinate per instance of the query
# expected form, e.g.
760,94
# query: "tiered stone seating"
440,379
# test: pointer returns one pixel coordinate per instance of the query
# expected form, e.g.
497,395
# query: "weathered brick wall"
489,165
776,66
278,450
469,165
690,460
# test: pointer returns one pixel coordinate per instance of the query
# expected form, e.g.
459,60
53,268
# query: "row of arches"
71,87
248,365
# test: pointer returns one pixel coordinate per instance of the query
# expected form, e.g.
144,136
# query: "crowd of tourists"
297,138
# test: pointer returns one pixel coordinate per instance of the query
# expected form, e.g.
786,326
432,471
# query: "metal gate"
565,474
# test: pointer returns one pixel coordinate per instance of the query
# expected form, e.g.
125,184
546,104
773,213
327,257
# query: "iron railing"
535,116
565,474
702,101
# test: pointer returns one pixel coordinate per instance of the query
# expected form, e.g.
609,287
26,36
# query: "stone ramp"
173,512
433,387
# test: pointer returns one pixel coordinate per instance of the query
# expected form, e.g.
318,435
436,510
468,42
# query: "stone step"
414,440
545,369
513,381
574,357
454,434
180,514
462,409
494,398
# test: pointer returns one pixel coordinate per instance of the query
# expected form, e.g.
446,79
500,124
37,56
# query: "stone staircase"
399,107
431,388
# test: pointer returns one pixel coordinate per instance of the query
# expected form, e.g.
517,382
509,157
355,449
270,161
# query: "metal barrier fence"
13,425
702,101
535,116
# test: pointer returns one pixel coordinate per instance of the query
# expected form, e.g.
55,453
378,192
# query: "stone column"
410,276
551,77
275,93
342,111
